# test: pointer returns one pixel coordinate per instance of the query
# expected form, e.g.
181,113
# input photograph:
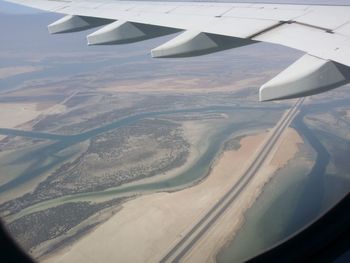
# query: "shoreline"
155,208
122,191
67,245
225,230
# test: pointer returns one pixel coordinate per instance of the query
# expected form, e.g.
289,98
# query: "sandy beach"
152,224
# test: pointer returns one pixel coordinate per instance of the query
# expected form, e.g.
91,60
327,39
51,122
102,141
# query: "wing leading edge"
322,32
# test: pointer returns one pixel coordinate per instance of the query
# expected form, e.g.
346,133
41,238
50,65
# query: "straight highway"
200,228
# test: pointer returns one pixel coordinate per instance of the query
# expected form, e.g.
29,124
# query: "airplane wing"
321,31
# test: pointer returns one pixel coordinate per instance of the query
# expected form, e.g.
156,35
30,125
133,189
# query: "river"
43,161
40,156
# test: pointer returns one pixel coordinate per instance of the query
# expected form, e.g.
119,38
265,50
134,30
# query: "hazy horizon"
9,8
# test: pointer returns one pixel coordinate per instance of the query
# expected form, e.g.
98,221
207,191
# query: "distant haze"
9,8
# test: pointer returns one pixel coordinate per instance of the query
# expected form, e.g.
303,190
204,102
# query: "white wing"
323,32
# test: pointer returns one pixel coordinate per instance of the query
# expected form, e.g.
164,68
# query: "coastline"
225,229
212,171
166,215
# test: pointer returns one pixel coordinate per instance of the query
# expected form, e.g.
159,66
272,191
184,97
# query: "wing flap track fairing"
193,43
71,23
307,76
122,32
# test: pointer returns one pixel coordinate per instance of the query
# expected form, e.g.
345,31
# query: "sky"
8,8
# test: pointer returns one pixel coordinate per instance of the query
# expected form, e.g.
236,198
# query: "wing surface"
322,32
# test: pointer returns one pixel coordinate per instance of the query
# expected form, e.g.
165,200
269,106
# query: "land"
164,212
15,114
226,227
97,147
84,153
229,197
161,213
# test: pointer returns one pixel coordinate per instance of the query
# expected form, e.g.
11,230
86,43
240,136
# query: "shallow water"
42,160
296,196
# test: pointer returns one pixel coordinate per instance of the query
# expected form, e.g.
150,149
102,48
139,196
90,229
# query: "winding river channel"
39,156
276,214
43,160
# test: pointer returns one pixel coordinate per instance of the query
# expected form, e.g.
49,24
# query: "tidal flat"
90,131
303,190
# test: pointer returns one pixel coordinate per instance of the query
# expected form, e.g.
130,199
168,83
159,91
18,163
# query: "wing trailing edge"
322,32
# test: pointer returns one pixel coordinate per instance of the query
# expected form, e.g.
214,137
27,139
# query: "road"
201,227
